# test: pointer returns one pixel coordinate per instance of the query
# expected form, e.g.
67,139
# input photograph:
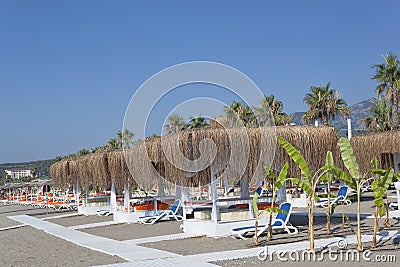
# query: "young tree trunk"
256,233
270,214
395,108
328,212
311,222
373,243
325,120
387,221
342,217
359,241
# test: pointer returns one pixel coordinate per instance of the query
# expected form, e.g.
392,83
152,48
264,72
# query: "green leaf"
306,187
378,192
348,157
343,176
275,210
282,177
379,172
255,207
329,159
387,179
374,163
297,158
270,172
382,211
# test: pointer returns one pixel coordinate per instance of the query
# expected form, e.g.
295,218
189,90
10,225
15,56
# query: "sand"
80,219
27,246
134,231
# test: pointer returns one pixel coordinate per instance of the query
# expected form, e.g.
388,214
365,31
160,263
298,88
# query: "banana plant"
379,189
354,180
308,182
276,185
328,177
256,213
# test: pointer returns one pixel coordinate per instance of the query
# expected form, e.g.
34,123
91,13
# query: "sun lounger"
340,199
281,222
163,214
395,205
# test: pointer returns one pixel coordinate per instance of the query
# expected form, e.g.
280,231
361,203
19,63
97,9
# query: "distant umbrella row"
189,158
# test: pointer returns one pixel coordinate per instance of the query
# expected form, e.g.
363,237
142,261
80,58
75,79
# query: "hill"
43,166
358,112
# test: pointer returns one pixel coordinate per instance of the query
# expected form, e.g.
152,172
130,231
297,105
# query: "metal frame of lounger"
277,224
164,214
341,198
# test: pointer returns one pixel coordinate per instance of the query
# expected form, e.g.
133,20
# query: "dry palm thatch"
312,142
118,170
59,173
185,158
380,145
237,152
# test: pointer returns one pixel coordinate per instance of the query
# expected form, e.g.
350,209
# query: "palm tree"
380,120
34,171
5,177
324,104
197,122
112,144
83,152
388,77
240,114
125,138
59,158
270,106
175,124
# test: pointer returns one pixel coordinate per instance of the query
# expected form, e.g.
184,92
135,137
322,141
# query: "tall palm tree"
83,152
388,77
380,120
34,171
324,104
240,114
125,138
197,122
270,106
112,144
175,124
58,158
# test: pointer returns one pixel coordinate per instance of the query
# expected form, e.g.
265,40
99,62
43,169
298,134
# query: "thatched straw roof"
380,145
185,158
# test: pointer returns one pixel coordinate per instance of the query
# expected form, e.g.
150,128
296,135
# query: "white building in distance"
19,173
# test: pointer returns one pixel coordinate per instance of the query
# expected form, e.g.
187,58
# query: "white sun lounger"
163,214
281,222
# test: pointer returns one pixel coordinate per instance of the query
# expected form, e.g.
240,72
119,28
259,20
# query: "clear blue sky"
69,68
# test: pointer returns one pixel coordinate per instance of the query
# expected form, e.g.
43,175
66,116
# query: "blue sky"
69,68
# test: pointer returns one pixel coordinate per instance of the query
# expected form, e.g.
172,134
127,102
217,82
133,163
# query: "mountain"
358,112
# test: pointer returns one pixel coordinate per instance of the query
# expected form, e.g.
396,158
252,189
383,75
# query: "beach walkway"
142,256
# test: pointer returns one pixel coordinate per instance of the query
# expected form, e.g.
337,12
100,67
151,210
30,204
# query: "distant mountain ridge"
358,112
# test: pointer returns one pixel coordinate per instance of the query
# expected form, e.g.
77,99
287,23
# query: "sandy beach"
27,246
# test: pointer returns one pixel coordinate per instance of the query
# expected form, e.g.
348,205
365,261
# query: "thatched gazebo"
385,146
99,169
